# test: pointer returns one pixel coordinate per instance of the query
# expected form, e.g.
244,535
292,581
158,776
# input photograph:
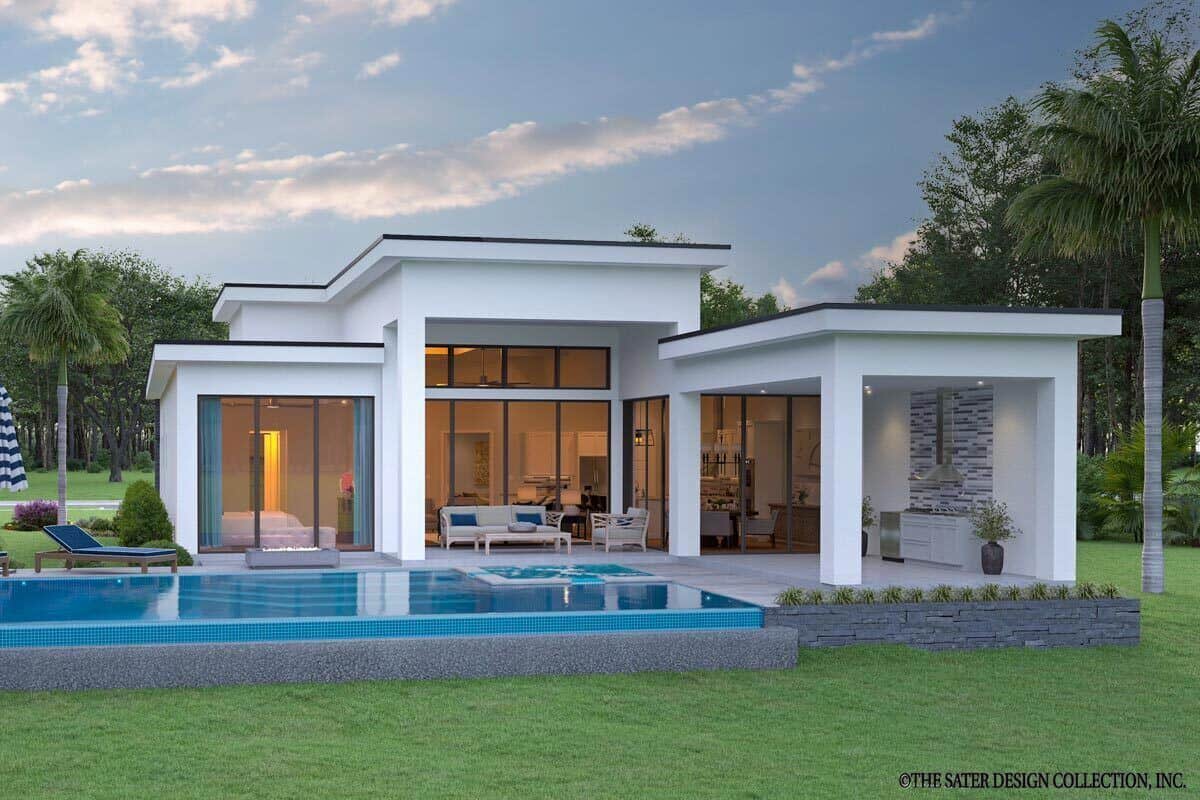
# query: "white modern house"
438,371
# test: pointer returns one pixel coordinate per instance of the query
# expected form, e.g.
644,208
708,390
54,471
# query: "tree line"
110,424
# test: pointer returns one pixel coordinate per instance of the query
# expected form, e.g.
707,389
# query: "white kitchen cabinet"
937,538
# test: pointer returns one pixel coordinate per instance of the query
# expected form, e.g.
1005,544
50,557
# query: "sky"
249,140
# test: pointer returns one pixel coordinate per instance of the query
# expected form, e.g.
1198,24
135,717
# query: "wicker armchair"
621,529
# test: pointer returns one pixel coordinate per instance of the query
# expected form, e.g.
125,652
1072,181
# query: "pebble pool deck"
339,605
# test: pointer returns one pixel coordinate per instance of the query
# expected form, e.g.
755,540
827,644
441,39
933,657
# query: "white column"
186,442
684,516
841,475
410,395
387,482
1054,534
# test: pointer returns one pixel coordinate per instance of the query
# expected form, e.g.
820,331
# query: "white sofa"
491,525
277,529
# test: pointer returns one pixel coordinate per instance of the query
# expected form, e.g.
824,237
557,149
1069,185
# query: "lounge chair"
4,563
76,544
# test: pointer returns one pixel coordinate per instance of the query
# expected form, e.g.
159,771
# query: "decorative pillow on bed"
532,517
462,520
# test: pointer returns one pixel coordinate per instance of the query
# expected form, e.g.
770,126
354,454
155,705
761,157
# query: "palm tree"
1127,147
58,306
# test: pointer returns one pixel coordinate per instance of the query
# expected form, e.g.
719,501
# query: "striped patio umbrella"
12,470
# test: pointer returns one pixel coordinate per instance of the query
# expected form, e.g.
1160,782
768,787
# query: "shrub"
843,596
1086,590
989,592
103,458
815,597
142,462
185,558
865,596
965,594
93,468
991,522
892,594
1038,591
33,515
1012,593
942,593
1110,591
1061,592
96,524
74,464
142,517
793,596
914,595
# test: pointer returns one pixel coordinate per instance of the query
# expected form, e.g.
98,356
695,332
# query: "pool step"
181,665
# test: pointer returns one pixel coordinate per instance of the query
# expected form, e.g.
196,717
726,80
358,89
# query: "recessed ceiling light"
979,383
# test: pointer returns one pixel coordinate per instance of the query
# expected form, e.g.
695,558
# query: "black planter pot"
992,556
864,533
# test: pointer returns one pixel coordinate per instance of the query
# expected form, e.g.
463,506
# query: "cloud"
245,192
93,68
806,76
391,12
10,90
785,292
194,74
840,279
122,22
375,68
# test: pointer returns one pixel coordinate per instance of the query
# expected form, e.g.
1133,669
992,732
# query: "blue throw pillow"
458,520
529,516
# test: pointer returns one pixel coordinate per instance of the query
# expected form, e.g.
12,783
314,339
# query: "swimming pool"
343,604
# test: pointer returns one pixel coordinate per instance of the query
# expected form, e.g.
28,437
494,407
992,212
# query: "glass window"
532,455
806,475
766,472
286,447
531,367
585,457
346,491
286,472
583,368
437,460
478,366
477,456
437,366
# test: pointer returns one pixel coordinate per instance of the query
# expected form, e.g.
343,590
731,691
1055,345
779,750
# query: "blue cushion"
529,516
458,520
71,537
124,551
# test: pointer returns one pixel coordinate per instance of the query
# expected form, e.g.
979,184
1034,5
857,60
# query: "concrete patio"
755,578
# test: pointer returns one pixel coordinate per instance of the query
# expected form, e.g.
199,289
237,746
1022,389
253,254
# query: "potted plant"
868,519
991,522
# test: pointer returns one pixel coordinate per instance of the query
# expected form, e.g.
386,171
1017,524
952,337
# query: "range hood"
943,470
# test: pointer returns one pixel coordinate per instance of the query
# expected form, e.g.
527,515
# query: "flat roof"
408,237
809,309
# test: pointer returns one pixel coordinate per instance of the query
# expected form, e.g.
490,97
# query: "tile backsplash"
968,426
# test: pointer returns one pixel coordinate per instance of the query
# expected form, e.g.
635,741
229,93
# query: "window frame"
504,383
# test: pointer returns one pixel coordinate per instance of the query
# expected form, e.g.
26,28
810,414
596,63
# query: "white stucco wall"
178,477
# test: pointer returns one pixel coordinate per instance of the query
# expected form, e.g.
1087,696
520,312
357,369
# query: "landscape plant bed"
1038,616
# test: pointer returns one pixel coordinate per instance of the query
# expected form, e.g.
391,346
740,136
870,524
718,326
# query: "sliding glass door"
646,452
286,472
530,452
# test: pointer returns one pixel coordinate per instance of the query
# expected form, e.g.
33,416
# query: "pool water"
566,573
341,604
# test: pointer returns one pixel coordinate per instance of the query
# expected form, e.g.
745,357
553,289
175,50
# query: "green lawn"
21,545
844,723
80,486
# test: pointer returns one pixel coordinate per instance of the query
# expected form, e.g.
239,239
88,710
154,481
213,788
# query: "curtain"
210,471
364,472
